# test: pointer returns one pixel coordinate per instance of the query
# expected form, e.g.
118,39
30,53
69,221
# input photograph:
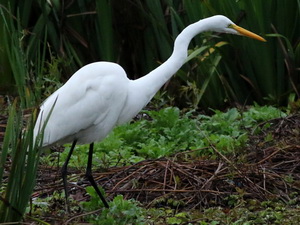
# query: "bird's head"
224,25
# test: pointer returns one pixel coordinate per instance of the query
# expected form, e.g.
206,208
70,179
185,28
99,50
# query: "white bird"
99,96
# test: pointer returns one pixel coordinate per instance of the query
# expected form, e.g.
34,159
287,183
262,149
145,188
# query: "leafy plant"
165,133
121,211
168,131
53,205
252,213
179,218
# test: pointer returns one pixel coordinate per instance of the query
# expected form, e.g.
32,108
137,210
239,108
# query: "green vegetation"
121,212
140,36
42,43
227,131
166,132
18,185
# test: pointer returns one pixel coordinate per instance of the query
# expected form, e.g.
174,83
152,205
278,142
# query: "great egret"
99,96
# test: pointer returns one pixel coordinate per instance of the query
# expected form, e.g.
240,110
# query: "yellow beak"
247,33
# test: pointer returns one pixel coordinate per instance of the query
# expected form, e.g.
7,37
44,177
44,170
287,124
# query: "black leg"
64,172
90,176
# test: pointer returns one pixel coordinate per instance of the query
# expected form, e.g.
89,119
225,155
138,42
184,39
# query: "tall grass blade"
104,30
23,153
15,54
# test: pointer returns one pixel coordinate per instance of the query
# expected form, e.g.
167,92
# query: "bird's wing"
84,109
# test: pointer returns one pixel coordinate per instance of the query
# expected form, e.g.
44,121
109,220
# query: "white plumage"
99,96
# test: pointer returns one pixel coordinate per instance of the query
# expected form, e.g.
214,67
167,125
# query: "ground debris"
207,183
269,169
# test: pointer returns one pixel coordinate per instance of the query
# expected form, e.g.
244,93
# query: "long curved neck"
154,80
142,90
